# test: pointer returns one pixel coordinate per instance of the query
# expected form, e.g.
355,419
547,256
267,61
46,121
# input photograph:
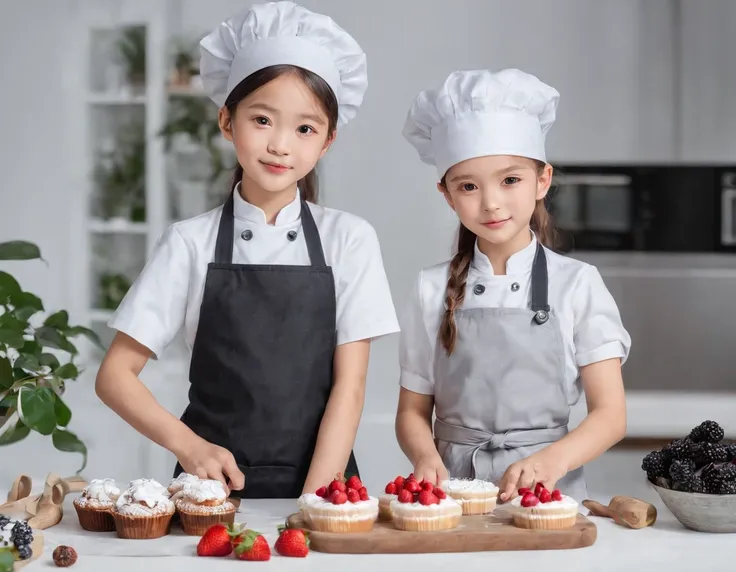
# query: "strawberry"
538,489
529,500
353,495
405,496
427,486
427,498
338,497
545,496
412,486
218,540
354,483
253,546
556,495
391,488
399,482
363,492
292,542
524,490
439,493
322,492
411,477
337,486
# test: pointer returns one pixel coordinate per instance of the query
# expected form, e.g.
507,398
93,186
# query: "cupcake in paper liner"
143,511
201,504
96,504
178,482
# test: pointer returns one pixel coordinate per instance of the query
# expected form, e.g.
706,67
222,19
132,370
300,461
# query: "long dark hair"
541,224
309,185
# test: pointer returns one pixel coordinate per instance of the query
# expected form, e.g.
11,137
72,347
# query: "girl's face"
495,196
279,132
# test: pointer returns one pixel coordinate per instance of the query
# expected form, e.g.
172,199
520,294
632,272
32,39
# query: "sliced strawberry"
405,496
354,483
390,489
524,490
529,500
439,493
538,489
545,496
427,498
338,497
556,495
353,495
399,482
322,492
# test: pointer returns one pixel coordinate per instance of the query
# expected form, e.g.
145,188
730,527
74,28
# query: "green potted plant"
36,361
132,50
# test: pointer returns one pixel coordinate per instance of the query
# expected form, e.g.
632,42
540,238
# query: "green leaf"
49,360
68,442
12,338
59,320
27,361
67,371
15,434
19,250
89,334
6,374
10,400
26,305
37,409
8,287
7,560
63,413
49,337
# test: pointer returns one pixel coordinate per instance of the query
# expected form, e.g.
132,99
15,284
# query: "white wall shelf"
116,99
116,226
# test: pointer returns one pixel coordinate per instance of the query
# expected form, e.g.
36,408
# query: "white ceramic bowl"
701,512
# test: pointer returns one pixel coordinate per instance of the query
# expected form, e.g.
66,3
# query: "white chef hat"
477,113
275,33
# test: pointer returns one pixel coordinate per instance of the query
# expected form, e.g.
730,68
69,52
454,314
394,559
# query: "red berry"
353,495
529,500
411,477
545,496
363,494
337,486
524,490
427,486
399,482
391,489
412,486
354,483
439,493
556,495
538,489
427,498
405,496
322,492
338,497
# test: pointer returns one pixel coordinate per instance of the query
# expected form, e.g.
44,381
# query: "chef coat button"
515,287
246,234
291,235
541,317
479,289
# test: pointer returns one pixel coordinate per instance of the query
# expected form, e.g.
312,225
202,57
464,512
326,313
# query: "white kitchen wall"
613,63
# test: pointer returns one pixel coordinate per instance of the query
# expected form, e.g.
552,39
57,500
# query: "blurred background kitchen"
107,139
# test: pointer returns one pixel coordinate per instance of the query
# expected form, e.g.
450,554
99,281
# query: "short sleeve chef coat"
589,317
168,293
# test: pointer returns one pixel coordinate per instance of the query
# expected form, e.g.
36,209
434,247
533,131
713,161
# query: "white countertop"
666,545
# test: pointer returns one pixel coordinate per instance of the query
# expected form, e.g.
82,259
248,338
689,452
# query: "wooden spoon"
626,511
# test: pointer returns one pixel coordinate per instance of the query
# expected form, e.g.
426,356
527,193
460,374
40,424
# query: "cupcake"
476,496
201,504
96,504
541,509
341,507
144,510
423,507
179,481
390,493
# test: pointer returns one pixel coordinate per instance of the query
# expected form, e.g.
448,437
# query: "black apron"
262,362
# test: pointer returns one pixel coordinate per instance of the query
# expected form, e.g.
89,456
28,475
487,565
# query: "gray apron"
502,395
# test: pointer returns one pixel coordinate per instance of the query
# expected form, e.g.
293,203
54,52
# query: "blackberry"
708,431
679,449
731,451
697,485
3,520
720,479
24,552
682,473
709,453
22,534
654,465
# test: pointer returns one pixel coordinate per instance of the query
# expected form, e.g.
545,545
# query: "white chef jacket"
168,293
588,315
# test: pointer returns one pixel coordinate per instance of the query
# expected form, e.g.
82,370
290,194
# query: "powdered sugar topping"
201,491
468,485
182,479
145,497
101,490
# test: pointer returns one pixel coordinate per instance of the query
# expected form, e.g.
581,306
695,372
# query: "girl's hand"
430,468
208,461
540,467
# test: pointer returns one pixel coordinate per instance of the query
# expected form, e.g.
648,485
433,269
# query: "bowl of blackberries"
696,478
15,542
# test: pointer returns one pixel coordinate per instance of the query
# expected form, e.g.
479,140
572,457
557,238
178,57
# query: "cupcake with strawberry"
342,506
390,493
542,509
421,506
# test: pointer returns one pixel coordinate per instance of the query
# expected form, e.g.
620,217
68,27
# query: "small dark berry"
682,473
708,431
24,552
654,465
64,556
706,453
696,485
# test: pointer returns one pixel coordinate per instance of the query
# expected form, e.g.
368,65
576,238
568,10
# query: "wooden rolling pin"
626,511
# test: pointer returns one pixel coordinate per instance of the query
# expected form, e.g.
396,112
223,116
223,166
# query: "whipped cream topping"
201,491
311,500
467,485
445,504
566,502
101,490
145,497
182,479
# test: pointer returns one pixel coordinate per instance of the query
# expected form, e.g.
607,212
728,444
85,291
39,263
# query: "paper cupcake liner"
554,522
142,527
336,524
197,524
427,524
95,520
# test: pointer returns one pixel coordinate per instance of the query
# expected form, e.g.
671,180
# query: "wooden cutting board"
474,534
